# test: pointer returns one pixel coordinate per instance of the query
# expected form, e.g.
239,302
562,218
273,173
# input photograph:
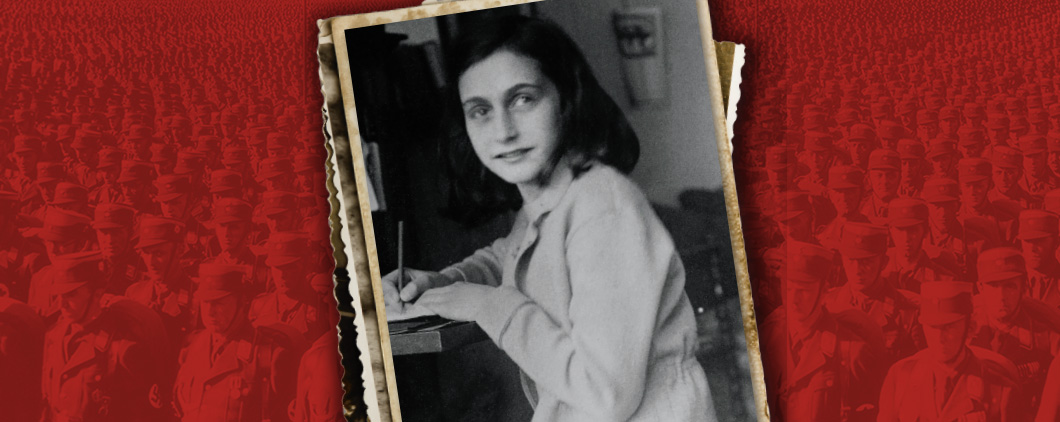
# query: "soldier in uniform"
943,156
99,357
114,228
822,366
910,264
884,167
319,390
231,370
64,232
232,223
819,155
1038,238
290,301
1023,329
135,180
1007,169
949,381
913,165
108,189
971,142
20,256
22,336
975,174
1037,177
863,252
166,287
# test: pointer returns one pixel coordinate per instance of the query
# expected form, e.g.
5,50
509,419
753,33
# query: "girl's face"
512,114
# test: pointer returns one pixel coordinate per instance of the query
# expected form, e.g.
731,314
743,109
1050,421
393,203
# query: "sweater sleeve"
485,266
599,366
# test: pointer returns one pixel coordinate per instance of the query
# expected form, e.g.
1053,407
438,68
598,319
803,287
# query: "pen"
401,257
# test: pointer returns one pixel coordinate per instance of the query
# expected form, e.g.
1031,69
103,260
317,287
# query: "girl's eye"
478,112
522,100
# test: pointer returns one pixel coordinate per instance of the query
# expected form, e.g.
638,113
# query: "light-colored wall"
678,149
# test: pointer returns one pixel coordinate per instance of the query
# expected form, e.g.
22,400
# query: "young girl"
586,294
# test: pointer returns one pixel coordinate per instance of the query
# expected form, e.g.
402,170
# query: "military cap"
275,202
110,215
1018,124
72,271
1032,144
813,121
278,141
1014,104
21,315
939,190
225,180
159,230
974,111
132,170
891,130
807,263
235,155
26,143
884,159
941,146
847,115
60,225
1000,264
933,103
861,132
257,135
1037,116
1035,224
1006,157
949,113
208,144
308,162
997,121
1054,110
973,169
286,248
162,153
908,106
845,177
926,117
945,302
140,133
69,193
65,132
910,149
863,240
814,141
227,210
905,212
216,281
50,171
274,166
172,186
87,139
110,157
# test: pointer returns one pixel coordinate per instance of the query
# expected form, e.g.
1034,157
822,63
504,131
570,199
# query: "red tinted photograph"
897,166
165,250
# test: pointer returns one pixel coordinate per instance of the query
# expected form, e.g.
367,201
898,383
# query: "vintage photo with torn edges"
546,214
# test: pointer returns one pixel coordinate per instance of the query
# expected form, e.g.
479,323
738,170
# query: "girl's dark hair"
594,127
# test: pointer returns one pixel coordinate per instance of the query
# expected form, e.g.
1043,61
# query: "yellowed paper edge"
732,206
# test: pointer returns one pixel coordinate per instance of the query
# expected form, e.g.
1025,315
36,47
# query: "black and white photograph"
545,219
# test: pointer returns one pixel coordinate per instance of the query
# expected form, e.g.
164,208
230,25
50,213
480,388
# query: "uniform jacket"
249,380
837,369
982,391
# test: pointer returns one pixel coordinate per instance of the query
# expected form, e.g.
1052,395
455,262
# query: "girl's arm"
619,264
485,266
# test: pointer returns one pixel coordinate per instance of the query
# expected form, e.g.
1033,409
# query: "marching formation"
164,239
902,178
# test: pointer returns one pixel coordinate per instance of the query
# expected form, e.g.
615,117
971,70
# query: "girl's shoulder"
603,189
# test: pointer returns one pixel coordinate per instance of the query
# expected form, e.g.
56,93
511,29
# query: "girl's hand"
459,301
416,282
